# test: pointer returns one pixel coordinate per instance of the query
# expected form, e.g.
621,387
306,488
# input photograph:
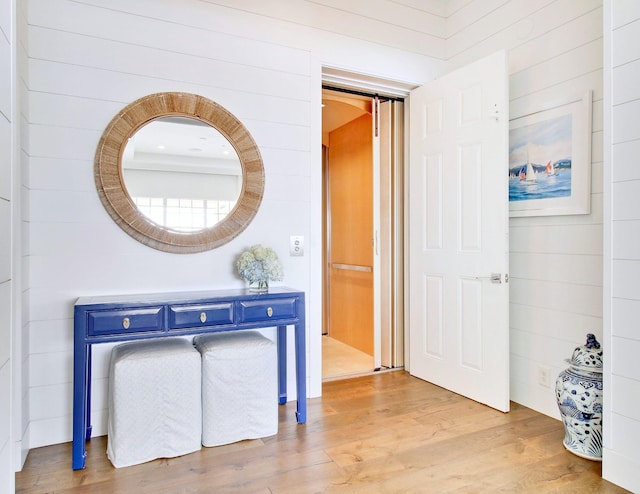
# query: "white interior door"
458,219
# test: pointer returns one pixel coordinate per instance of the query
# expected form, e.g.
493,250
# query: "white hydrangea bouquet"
259,265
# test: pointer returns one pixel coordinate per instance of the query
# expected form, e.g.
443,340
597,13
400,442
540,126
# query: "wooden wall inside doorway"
350,184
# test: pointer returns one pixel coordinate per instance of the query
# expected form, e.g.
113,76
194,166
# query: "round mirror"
179,173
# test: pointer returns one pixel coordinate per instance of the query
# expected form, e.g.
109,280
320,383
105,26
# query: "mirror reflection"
181,173
180,112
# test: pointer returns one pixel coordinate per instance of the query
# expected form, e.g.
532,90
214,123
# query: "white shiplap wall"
555,55
86,63
7,122
622,239
89,58
20,266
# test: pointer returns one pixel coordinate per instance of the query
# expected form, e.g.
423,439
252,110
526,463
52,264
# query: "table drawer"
263,310
125,321
194,316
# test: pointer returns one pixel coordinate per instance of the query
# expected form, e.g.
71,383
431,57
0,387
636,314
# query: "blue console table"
135,317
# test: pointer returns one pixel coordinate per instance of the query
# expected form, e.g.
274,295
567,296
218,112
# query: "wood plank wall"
555,54
88,59
622,406
6,240
350,186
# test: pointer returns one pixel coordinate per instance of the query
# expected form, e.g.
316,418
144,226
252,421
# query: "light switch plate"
296,245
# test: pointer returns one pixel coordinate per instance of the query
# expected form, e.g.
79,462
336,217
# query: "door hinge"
495,113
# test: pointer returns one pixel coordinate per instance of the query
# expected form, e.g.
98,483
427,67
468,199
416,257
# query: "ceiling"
339,108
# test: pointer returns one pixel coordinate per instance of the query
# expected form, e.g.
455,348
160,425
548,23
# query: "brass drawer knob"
126,323
203,317
269,311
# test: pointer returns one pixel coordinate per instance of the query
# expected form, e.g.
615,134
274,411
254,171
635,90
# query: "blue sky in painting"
548,140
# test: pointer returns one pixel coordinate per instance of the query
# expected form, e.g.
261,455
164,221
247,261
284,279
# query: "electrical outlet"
296,245
543,376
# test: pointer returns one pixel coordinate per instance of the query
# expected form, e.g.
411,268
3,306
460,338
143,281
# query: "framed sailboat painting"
550,161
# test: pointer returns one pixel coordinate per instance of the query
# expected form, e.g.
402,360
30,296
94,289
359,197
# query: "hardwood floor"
381,433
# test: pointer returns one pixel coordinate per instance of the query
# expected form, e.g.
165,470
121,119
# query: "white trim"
366,83
17,433
314,296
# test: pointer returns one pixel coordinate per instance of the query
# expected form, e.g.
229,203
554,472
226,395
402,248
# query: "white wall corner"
607,340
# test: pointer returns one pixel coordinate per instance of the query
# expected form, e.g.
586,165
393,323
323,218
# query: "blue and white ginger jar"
579,395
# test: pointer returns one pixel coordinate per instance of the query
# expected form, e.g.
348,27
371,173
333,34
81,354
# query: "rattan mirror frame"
117,201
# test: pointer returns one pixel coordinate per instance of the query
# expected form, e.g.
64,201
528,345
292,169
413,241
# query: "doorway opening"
363,229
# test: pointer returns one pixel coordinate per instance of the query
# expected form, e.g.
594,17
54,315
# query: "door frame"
371,85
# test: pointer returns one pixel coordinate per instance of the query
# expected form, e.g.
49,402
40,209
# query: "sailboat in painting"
531,174
540,164
549,170
527,173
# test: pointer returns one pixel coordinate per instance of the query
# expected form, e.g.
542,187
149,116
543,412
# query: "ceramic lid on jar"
587,357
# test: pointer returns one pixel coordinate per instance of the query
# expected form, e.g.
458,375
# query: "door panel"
433,316
350,184
389,237
459,232
432,201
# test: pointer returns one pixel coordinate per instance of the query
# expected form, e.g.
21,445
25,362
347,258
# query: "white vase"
579,396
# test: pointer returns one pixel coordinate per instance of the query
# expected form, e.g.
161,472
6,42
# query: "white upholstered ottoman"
239,386
155,404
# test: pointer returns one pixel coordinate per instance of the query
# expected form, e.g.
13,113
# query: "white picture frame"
553,149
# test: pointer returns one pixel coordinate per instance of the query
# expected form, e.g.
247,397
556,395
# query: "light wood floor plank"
382,433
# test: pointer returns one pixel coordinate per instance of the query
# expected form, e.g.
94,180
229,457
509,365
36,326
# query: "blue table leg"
301,367
282,365
81,370
87,424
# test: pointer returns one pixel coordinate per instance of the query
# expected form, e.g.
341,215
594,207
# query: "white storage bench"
239,386
155,404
